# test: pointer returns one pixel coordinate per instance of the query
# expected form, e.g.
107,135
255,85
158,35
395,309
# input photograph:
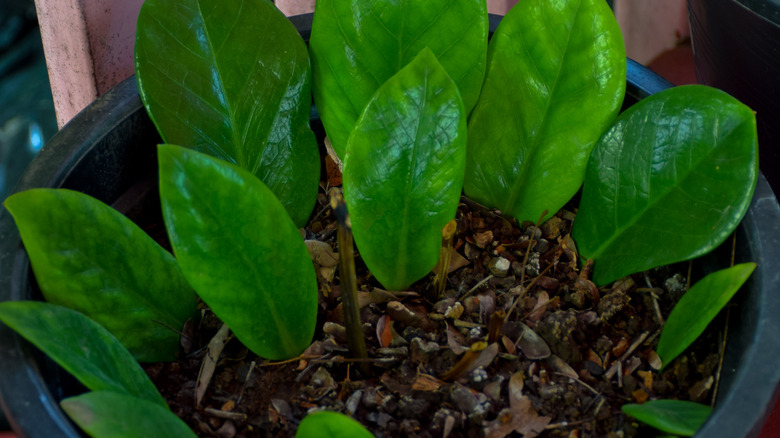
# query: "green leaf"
698,307
668,182
403,171
81,346
240,251
555,80
232,79
357,45
327,424
105,414
671,416
89,257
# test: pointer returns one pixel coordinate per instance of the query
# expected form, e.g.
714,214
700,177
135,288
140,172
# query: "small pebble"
499,266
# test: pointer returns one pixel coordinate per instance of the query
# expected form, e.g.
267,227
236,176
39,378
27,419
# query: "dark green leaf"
232,79
671,416
89,257
356,45
668,182
105,414
327,424
81,346
240,251
700,305
403,171
556,77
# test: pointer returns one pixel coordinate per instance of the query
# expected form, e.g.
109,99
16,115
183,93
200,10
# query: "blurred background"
26,106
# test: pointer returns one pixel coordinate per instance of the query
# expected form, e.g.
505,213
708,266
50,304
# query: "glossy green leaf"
403,171
328,424
556,77
698,307
672,416
240,251
668,182
81,346
232,79
105,414
89,257
356,45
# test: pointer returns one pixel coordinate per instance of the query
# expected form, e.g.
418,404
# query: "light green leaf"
240,251
232,79
356,45
668,182
698,307
670,416
81,346
403,171
105,414
555,80
327,424
89,257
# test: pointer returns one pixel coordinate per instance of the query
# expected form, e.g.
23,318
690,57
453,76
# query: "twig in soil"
590,388
524,289
236,416
246,381
286,361
637,342
447,238
656,308
465,362
355,339
565,424
477,286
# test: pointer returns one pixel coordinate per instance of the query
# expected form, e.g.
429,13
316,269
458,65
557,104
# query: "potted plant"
144,163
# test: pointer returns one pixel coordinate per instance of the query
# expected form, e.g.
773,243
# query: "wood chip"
426,382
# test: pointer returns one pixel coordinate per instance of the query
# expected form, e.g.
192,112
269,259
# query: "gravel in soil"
522,343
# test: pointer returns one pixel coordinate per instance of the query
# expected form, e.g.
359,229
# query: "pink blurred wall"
89,43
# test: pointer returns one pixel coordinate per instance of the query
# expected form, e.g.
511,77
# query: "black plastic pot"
111,145
736,47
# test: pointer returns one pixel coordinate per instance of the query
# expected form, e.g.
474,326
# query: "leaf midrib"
631,223
533,148
238,151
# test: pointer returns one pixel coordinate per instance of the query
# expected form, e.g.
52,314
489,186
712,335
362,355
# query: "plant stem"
355,339
447,238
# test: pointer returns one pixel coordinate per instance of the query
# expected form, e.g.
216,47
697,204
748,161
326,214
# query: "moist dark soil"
521,343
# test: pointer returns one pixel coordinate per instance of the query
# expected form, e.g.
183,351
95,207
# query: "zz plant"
420,107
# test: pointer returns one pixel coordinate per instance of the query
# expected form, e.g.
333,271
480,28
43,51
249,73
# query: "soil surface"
521,343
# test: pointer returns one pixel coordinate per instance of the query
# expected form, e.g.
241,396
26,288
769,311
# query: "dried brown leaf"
457,261
532,345
541,306
560,366
384,331
456,341
209,365
520,417
322,253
